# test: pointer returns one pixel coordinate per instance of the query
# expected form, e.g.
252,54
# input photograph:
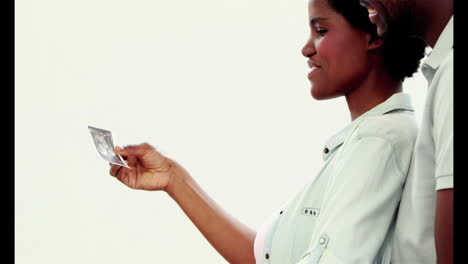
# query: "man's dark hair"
402,53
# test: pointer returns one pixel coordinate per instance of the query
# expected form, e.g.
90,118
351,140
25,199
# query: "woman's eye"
321,32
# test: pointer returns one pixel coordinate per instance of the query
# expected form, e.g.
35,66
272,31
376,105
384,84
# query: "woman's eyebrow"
315,20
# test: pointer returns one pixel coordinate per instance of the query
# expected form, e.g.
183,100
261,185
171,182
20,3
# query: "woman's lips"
313,64
314,67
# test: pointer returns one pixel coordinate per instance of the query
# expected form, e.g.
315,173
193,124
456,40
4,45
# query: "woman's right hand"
149,170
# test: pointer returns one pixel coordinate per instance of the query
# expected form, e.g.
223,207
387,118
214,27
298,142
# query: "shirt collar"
398,101
440,51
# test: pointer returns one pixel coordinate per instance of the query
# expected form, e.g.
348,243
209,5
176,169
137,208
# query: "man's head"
394,16
401,27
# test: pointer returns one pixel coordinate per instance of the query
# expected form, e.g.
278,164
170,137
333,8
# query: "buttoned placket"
268,239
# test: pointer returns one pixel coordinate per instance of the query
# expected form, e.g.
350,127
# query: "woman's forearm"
232,239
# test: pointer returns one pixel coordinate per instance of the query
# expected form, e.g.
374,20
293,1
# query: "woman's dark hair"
402,54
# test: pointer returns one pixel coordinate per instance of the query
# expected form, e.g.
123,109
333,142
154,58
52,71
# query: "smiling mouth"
371,11
369,7
312,65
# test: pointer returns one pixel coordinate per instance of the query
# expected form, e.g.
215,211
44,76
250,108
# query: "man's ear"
374,42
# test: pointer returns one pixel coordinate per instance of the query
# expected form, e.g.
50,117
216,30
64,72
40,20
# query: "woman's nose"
309,49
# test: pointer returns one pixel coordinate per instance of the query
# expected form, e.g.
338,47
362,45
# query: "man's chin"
381,29
403,25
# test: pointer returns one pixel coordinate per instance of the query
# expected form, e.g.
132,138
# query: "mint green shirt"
346,213
432,163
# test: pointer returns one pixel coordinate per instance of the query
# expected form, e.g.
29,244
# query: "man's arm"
443,140
444,226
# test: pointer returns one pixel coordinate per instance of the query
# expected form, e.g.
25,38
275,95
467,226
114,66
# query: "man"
424,226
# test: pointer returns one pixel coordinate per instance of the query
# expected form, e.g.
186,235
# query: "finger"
120,173
131,161
114,170
124,176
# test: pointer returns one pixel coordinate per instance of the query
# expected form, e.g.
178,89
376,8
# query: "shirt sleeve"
443,125
360,203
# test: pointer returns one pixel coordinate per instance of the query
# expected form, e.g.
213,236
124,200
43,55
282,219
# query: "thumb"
134,150
119,150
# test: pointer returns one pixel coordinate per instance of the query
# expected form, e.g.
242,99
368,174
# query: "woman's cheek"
329,52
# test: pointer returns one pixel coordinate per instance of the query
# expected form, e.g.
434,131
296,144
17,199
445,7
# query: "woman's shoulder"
397,127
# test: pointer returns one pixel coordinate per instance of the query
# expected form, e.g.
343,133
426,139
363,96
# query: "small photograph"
105,146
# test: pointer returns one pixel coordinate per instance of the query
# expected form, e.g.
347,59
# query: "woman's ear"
374,42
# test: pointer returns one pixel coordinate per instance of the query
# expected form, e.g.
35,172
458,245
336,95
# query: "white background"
218,85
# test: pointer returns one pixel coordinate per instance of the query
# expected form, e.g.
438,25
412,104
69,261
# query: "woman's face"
338,52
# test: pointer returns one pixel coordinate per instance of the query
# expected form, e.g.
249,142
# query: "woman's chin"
318,94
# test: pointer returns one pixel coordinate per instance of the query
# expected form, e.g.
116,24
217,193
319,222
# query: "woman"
346,213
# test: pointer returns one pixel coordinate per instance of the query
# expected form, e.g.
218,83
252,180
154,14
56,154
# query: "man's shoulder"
446,67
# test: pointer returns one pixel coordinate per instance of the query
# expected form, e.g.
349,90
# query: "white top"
432,166
345,213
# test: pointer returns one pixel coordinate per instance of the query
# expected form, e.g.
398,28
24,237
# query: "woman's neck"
374,90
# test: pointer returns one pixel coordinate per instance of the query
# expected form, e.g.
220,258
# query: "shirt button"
267,256
322,241
326,150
